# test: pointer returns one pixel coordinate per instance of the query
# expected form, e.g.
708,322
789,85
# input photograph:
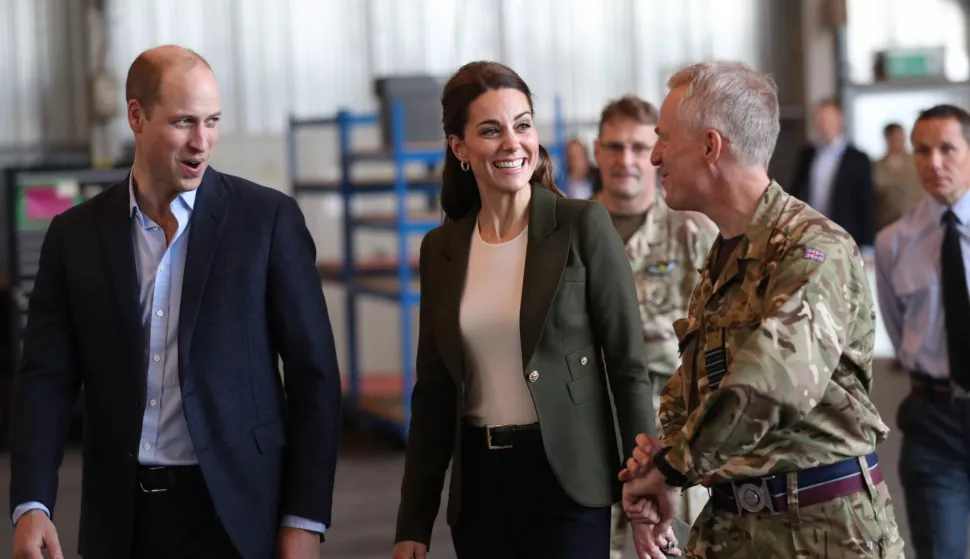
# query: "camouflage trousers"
859,526
691,504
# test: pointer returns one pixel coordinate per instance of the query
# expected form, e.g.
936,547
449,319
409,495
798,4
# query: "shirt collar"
187,198
837,145
961,209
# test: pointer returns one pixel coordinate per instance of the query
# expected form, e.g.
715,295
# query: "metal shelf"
368,186
412,222
387,288
333,270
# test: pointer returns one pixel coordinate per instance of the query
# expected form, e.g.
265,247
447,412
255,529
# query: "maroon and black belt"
815,485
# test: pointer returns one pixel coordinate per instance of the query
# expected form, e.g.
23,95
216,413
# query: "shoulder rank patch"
662,268
814,254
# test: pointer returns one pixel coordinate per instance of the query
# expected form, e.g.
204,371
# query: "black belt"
159,479
936,389
500,437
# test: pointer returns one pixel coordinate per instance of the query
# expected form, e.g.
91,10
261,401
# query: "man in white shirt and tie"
923,296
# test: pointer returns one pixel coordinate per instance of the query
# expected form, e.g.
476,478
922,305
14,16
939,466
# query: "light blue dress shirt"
160,267
822,177
908,284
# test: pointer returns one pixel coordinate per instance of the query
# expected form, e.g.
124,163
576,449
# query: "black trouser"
178,519
935,471
513,506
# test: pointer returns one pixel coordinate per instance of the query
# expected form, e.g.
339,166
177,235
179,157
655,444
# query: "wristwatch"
672,477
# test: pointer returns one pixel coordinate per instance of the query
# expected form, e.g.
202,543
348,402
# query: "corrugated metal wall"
42,92
309,57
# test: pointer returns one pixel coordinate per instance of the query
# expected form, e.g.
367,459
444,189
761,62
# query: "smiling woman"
529,317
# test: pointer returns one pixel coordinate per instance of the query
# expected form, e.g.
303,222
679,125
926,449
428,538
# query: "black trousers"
513,506
176,518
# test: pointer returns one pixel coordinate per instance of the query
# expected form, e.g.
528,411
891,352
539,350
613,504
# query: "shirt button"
157,358
155,228
160,313
583,361
161,268
147,446
152,402
533,376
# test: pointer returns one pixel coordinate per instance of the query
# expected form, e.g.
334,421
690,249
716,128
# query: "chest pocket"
659,284
918,289
734,318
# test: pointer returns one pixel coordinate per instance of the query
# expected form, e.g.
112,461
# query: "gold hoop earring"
465,166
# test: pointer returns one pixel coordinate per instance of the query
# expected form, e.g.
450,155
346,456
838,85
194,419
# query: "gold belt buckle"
488,432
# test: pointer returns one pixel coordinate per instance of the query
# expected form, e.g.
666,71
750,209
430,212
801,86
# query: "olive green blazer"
582,339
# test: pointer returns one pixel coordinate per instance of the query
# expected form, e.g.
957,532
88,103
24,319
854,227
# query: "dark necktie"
956,302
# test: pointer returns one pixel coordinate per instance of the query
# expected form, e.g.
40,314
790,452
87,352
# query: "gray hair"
735,100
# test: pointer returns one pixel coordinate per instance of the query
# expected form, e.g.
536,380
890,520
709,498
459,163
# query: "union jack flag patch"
814,254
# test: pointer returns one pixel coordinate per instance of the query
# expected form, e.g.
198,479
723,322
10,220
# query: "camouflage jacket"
777,353
667,254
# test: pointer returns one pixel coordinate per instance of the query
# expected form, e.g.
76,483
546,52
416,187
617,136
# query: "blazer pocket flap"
585,389
270,436
574,273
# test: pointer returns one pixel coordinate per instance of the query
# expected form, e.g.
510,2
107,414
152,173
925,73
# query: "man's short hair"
145,74
891,129
948,111
735,100
629,106
833,102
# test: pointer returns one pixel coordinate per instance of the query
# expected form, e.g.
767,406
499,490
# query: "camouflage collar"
656,216
757,236
759,232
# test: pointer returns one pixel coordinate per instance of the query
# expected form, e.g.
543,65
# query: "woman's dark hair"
459,191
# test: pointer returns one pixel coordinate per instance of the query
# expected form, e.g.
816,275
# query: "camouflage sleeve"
673,408
780,369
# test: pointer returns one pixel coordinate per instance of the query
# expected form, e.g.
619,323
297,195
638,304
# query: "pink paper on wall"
45,203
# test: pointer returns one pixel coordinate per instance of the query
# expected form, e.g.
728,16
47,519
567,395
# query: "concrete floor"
368,484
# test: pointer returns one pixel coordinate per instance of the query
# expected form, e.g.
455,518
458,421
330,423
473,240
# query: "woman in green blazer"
528,316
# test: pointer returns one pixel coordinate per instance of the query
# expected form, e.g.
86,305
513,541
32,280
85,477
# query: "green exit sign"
914,63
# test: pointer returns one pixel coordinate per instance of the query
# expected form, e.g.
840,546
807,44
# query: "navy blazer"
266,442
853,199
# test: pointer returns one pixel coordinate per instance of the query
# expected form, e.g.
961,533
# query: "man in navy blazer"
170,298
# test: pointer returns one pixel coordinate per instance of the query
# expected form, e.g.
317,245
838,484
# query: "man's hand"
638,492
642,460
409,550
295,543
35,532
653,541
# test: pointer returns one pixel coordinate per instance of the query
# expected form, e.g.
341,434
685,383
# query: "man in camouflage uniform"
667,249
771,408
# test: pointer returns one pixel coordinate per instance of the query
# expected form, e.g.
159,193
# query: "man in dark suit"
170,298
835,178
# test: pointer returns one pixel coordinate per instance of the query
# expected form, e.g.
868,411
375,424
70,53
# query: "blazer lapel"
208,221
447,328
116,234
545,259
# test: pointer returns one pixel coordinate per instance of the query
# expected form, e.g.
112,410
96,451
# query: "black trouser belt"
499,437
158,479
936,389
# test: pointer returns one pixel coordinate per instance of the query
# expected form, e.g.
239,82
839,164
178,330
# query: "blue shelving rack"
395,281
